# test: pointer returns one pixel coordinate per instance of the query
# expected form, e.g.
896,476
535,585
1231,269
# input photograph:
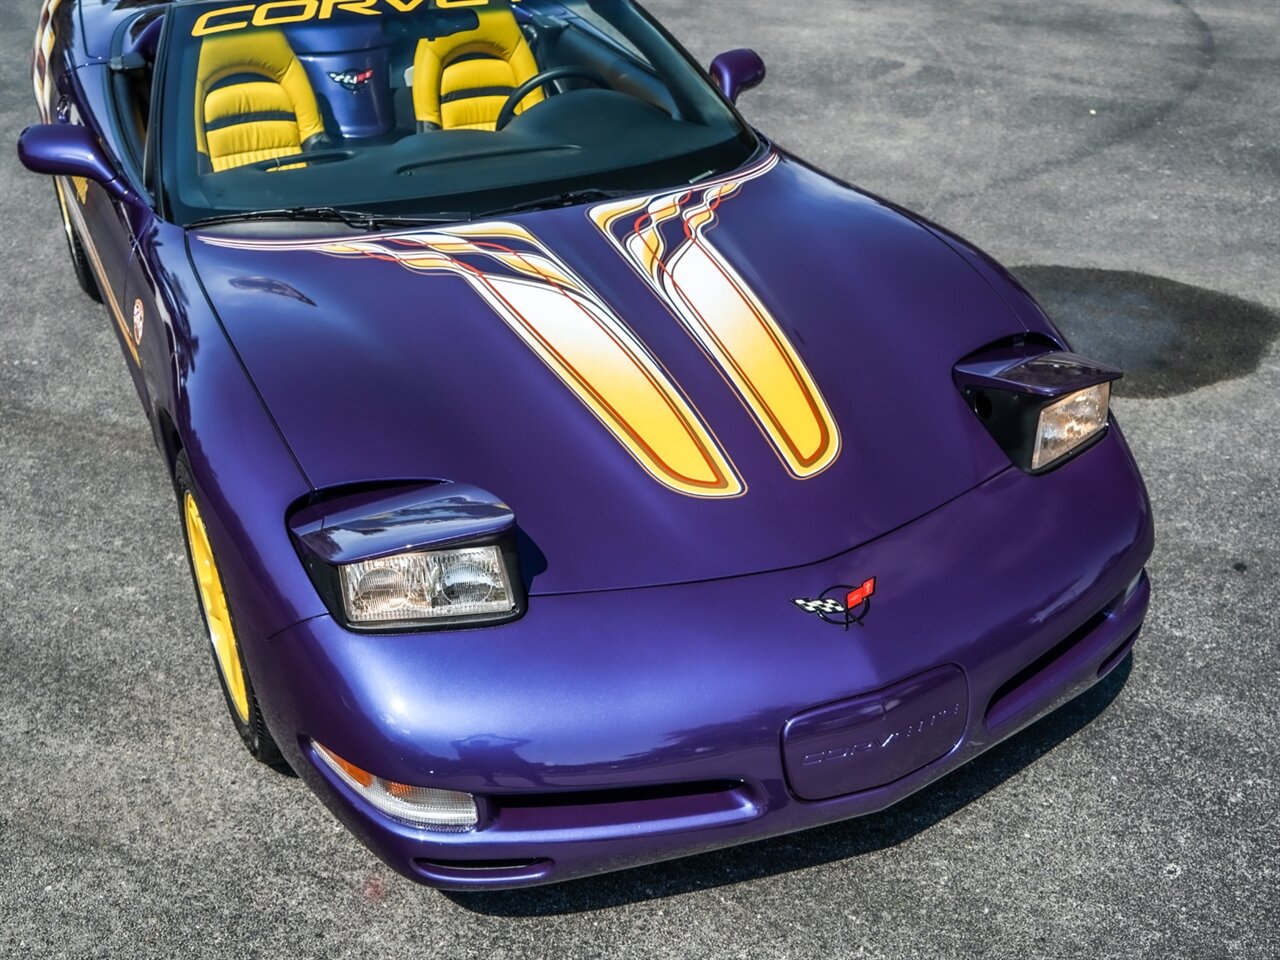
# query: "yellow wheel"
237,688
214,601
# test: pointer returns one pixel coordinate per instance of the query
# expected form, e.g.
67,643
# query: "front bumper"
608,730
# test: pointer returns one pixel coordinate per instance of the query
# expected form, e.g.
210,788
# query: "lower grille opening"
1032,683
669,791
632,810
479,866
1122,651
484,874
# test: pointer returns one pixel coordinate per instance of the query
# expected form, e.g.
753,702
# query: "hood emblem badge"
843,605
352,80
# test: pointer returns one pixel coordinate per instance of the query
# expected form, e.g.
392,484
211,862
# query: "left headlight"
412,557
442,584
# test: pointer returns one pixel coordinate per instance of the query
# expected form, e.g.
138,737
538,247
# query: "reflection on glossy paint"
267,285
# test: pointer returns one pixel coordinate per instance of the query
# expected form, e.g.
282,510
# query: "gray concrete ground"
1124,153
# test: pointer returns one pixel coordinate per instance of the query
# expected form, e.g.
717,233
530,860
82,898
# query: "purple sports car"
572,479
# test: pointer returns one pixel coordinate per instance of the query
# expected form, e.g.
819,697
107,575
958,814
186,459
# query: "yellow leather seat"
253,100
460,82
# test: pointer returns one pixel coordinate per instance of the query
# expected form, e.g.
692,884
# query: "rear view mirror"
68,150
737,71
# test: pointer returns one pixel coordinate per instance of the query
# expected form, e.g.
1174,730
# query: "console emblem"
352,80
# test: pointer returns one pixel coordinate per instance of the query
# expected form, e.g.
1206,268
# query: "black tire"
79,259
253,730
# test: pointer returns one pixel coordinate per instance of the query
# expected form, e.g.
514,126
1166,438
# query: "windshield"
428,108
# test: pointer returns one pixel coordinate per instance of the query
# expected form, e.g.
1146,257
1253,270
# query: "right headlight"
1069,423
1042,407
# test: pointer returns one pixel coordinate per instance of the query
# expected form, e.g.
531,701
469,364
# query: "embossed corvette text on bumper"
868,746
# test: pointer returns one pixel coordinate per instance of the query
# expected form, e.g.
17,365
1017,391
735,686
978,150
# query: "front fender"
245,475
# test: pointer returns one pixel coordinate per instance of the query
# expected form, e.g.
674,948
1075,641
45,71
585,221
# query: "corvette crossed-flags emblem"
841,605
820,606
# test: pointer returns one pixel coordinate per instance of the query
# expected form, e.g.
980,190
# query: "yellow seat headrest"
463,80
276,86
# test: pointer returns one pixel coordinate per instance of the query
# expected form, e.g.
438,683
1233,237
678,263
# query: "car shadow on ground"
1169,338
810,848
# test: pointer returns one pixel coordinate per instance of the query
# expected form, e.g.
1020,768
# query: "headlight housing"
412,557
1042,407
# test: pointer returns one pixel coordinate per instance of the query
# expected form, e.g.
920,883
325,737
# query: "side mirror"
67,150
738,71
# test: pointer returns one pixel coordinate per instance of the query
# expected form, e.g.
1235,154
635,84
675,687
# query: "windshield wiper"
357,219
568,199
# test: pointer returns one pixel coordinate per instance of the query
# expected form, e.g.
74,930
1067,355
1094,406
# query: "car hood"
746,375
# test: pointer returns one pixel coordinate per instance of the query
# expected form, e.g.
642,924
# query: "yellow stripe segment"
44,46
726,317
573,332
100,272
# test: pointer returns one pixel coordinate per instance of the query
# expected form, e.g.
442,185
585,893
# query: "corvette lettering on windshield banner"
571,329
276,13
665,239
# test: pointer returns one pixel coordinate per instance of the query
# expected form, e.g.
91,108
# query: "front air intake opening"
1122,651
1033,683
640,794
661,808
481,874
480,866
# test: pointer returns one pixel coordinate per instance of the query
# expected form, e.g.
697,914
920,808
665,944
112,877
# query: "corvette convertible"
572,478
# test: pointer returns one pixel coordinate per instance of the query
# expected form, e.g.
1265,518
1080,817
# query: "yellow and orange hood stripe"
664,239
571,330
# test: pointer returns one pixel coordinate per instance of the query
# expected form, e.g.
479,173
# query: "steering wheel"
508,111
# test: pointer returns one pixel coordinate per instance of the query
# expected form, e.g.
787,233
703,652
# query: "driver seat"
460,82
253,101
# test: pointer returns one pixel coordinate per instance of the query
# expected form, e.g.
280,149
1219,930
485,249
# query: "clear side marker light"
448,811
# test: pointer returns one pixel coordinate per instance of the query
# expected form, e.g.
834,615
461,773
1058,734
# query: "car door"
104,223
111,228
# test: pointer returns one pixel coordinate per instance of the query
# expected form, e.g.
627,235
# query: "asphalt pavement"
1124,157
